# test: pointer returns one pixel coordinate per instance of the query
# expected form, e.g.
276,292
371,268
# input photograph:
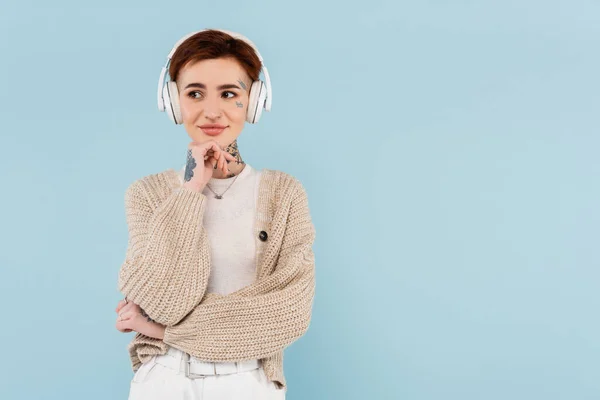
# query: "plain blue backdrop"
450,155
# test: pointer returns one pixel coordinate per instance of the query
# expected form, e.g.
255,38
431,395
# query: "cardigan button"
263,236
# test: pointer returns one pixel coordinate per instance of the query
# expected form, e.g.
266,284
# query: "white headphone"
259,96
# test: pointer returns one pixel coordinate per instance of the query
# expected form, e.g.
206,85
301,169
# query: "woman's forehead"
212,72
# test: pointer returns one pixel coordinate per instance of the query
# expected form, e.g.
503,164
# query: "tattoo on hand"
240,105
242,84
189,166
146,316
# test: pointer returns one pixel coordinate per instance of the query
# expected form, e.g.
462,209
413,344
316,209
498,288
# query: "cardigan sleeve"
262,318
167,246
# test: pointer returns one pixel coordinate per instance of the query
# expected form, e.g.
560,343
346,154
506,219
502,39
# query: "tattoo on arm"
189,166
240,105
242,84
146,316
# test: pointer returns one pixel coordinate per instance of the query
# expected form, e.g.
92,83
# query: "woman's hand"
132,318
201,161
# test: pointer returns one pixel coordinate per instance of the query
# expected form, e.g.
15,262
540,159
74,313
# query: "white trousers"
155,381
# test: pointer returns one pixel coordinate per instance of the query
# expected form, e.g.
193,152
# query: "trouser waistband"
193,367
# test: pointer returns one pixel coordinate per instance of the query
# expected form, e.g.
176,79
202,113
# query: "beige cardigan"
167,264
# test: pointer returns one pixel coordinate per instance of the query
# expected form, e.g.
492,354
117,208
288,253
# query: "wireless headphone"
259,96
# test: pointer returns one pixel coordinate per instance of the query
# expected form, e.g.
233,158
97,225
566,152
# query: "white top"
229,224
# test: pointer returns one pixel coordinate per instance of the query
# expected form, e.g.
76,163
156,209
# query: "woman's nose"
212,108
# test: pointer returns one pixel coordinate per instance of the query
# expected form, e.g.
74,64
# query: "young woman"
219,273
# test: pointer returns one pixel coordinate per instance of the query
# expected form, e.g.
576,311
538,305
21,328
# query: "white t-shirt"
229,224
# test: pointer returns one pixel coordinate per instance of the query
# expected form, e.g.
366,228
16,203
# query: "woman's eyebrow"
203,86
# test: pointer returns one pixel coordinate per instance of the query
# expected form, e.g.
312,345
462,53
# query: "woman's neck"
235,167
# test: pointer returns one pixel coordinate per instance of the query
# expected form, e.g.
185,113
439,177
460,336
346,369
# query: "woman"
219,273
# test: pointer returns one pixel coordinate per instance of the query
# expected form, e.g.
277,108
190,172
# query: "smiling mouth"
213,130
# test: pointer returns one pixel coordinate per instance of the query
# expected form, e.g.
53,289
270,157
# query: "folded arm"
167,248
264,317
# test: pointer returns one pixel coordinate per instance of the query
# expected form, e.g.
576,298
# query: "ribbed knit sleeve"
265,317
167,261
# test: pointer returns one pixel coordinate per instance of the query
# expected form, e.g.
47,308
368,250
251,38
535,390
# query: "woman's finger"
129,310
222,162
124,316
205,148
230,157
217,156
226,161
216,148
214,162
123,326
217,163
120,305
126,307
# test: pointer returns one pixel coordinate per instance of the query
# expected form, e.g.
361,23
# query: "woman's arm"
264,317
167,248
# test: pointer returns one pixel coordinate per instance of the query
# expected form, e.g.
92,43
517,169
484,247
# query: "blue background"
449,151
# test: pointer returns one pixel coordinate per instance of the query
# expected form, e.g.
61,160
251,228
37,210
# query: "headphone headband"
163,72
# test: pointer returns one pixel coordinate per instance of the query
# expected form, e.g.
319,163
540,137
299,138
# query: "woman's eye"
197,95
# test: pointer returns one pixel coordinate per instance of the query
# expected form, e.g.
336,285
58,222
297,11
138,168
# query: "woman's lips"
212,131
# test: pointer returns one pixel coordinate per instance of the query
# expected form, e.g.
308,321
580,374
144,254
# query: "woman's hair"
210,44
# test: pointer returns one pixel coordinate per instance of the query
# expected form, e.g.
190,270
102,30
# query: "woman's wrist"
161,331
156,330
194,187
151,329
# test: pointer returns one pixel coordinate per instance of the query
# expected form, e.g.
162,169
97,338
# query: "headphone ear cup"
256,101
171,96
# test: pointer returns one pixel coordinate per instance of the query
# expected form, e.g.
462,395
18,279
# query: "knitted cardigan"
167,265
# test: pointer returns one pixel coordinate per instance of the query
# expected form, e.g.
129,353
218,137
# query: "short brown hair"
211,44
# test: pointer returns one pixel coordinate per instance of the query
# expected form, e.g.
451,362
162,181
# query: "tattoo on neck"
189,166
233,150
242,84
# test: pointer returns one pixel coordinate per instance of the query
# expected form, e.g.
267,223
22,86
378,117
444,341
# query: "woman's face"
214,92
